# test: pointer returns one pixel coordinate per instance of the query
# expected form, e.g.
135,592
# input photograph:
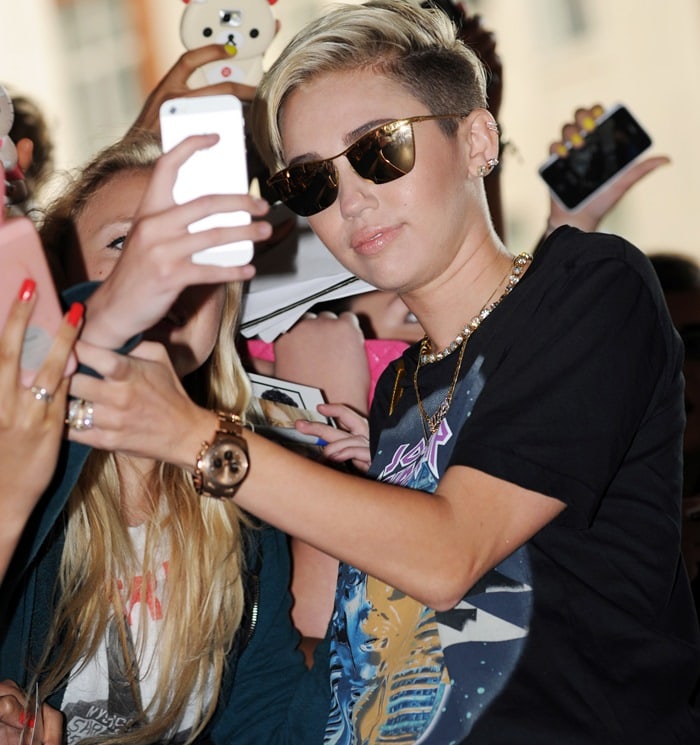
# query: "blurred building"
90,64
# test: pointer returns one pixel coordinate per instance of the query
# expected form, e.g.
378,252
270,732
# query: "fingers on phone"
56,361
18,318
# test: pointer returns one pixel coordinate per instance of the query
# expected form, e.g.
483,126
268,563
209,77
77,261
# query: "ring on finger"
80,414
41,394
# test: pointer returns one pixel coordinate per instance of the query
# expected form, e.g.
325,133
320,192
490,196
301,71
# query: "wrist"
99,326
221,462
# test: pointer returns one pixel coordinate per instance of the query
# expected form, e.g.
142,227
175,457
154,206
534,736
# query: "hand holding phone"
616,142
220,169
22,257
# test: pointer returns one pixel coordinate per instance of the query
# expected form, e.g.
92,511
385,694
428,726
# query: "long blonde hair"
202,537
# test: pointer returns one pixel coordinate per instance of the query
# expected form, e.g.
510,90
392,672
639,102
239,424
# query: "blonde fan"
202,537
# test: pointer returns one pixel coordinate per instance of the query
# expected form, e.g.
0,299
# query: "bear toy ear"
7,112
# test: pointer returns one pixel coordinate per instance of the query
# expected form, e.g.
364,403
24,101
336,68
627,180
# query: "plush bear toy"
244,27
15,189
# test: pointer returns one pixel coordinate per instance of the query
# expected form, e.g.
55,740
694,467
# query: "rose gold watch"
222,465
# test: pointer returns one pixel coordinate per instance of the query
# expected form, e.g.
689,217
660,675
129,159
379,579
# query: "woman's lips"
372,240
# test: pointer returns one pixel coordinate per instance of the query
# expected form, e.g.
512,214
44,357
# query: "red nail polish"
22,717
27,290
75,314
32,722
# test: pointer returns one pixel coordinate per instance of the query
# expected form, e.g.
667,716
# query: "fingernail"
597,111
561,150
75,314
588,123
22,717
27,290
576,139
32,722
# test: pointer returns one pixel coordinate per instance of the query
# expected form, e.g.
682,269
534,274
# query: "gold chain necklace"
426,356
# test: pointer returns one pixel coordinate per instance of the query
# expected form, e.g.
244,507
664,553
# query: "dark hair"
29,122
676,272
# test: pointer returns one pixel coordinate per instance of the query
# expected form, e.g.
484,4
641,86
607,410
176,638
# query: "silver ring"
80,414
41,394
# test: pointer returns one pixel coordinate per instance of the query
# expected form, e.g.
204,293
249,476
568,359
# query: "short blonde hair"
415,46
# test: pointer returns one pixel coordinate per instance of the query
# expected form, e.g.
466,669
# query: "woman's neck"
477,282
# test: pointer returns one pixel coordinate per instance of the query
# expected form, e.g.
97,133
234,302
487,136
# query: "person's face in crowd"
401,235
190,329
387,315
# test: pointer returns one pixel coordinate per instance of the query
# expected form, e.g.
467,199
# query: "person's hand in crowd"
326,351
31,419
156,262
349,441
174,85
589,216
22,722
139,405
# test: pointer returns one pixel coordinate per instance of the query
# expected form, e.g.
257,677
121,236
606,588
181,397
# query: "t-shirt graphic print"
402,672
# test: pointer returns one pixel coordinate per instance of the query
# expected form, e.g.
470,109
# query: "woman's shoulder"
570,246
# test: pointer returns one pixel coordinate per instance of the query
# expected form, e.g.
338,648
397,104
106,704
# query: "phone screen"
617,140
221,169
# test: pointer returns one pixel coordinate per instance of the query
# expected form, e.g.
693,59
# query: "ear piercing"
486,168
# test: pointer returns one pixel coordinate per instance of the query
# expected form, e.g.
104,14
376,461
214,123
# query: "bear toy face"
244,27
8,152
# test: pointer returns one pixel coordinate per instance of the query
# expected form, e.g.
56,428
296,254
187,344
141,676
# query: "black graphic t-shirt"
571,388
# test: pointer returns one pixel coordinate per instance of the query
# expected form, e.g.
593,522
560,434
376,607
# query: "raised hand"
31,419
592,213
174,85
347,442
156,264
326,351
139,406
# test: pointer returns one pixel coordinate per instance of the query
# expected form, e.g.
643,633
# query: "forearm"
102,325
402,536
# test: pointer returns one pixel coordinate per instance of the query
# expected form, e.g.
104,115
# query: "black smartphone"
617,140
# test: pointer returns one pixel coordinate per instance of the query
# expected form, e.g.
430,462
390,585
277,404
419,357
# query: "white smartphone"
220,169
615,143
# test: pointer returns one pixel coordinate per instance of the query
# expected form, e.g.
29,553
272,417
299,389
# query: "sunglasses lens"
382,155
385,154
307,188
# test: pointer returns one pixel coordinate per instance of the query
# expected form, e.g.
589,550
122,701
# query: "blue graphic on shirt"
400,672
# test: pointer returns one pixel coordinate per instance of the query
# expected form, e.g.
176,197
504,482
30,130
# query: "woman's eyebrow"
348,139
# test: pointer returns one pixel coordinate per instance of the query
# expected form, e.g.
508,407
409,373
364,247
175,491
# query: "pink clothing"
380,352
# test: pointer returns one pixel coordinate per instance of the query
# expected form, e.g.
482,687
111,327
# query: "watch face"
226,464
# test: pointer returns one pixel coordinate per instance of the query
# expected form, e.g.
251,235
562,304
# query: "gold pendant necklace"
431,422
